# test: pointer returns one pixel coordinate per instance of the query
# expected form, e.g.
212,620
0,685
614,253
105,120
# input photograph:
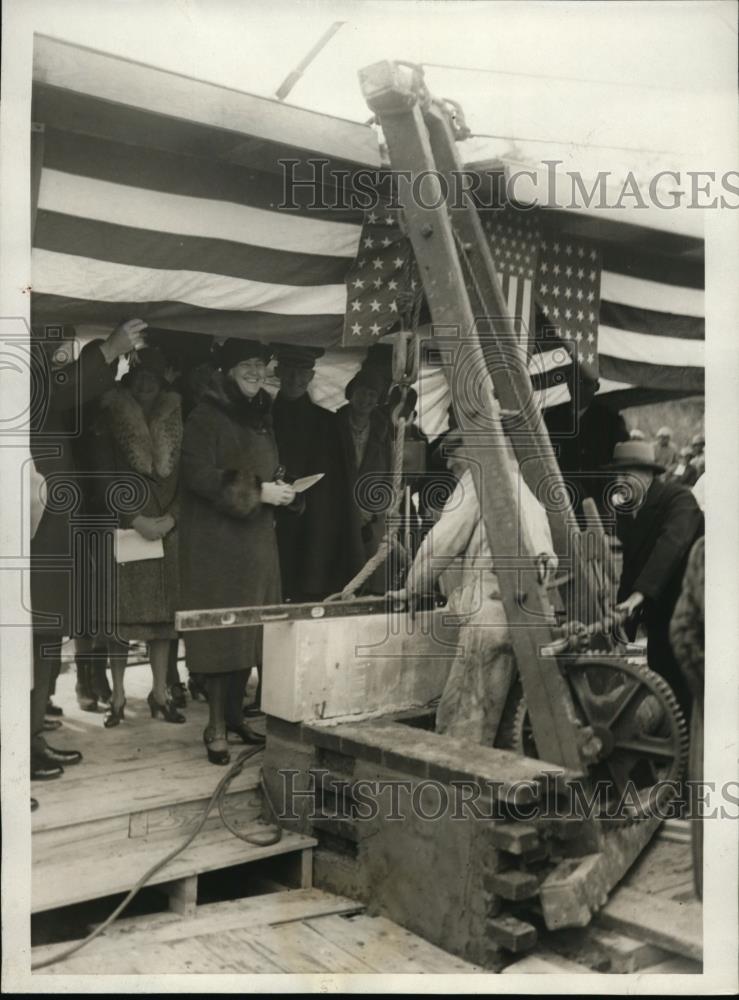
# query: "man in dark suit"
321,550
657,524
583,432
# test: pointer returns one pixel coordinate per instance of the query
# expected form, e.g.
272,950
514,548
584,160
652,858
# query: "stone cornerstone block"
334,667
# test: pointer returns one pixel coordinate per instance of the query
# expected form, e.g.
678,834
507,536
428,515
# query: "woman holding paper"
229,557
139,442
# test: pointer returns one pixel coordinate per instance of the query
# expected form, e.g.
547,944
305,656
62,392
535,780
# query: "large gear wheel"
634,716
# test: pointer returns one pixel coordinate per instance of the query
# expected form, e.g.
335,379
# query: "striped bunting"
184,242
652,326
196,242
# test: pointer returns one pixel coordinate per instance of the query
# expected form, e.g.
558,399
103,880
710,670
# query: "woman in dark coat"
228,555
140,436
366,435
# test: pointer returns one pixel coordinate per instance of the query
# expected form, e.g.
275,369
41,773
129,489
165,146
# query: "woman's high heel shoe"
246,734
215,756
114,715
167,711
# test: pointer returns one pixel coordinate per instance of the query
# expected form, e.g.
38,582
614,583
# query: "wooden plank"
70,878
410,133
271,909
603,950
675,966
577,887
544,963
676,927
387,947
298,948
284,933
306,869
118,793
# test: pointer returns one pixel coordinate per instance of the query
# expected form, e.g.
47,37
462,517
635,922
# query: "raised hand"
126,337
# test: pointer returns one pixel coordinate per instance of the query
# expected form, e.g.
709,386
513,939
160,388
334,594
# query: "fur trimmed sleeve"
240,493
235,492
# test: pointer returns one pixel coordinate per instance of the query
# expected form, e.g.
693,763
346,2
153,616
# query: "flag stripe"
171,213
661,268
190,176
84,278
648,349
70,234
687,379
631,291
650,322
320,330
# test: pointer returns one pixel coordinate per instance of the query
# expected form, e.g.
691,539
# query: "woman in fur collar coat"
228,555
139,442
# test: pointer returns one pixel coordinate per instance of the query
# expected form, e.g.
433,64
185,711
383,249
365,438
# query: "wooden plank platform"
140,789
300,931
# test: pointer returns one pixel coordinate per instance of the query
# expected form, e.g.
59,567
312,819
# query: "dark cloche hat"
634,455
369,377
148,359
235,350
294,356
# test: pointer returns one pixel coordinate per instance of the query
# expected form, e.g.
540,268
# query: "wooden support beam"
526,602
578,887
183,895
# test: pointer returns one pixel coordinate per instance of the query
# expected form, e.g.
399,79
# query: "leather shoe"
43,768
246,734
34,804
64,757
51,724
52,709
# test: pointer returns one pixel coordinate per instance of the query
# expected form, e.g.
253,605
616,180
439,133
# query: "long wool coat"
370,481
656,545
687,628
322,549
228,553
55,427
127,444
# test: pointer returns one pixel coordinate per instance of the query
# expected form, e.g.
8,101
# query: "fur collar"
151,448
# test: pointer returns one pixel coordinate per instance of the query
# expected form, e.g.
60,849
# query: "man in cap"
321,550
665,452
657,523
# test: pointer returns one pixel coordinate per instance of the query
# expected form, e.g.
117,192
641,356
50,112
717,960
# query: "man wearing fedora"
657,523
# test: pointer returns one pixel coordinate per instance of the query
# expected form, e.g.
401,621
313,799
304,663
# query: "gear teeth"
657,686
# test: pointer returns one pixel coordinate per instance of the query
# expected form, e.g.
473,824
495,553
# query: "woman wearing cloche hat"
231,487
